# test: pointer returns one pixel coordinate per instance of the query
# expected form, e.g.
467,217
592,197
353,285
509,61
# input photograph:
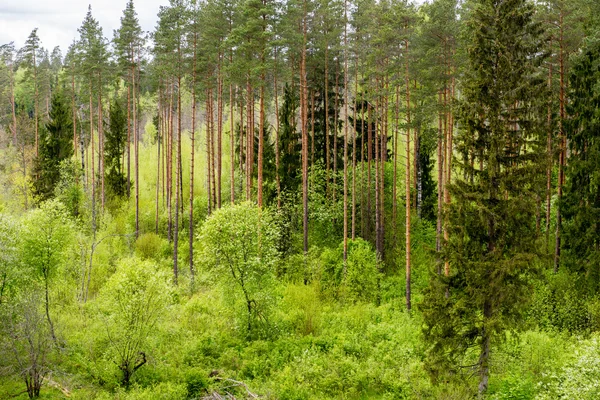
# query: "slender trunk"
158,164
376,131
249,139
178,187
219,134
208,149
354,155
101,140
261,126
395,180
327,147
303,95
136,148
277,178
484,355
362,167
345,134
550,160
335,132
74,112
231,145
562,146
312,129
407,184
212,150
242,160
47,306
369,161
93,174
192,159
128,149
169,165
35,105
440,194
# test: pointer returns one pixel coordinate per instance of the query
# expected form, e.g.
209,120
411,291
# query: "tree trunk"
345,134
192,159
303,95
407,184
550,160
136,147
562,145
261,126
219,134
277,178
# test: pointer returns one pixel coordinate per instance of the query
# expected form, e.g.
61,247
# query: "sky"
58,20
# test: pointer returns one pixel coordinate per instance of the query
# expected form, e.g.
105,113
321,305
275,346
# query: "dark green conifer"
56,145
492,236
581,200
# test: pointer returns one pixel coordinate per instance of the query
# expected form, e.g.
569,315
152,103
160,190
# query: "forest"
304,199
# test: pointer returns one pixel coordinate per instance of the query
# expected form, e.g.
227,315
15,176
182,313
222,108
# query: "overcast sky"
57,21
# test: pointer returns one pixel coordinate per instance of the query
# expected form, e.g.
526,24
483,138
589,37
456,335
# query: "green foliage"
239,243
355,280
492,249
150,246
56,145
69,190
578,379
130,304
45,239
9,274
114,148
581,202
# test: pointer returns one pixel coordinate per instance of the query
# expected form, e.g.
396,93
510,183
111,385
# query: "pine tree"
56,145
491,247
7,82
128,41
30,54
92,61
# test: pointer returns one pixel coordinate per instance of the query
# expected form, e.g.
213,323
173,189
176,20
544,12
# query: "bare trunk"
562,146
303,107
550,160
407,184
277,178
345,134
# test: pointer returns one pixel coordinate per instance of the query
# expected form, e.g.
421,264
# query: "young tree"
240,243
491,247
114,149
55,145
130,305
43,247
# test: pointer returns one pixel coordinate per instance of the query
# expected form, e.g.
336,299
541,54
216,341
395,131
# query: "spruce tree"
581,199
114,148
56,145
491,247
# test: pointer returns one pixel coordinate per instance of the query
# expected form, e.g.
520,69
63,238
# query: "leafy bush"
149,246
358,280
